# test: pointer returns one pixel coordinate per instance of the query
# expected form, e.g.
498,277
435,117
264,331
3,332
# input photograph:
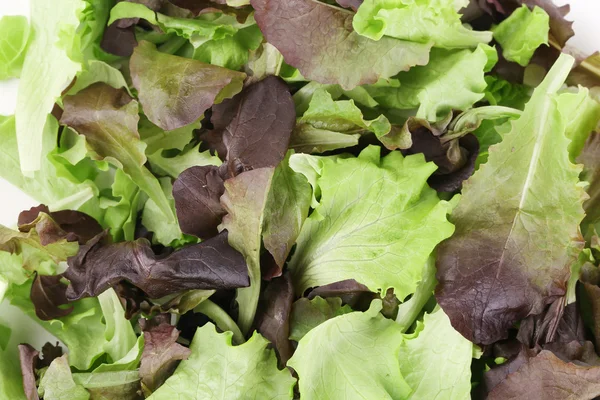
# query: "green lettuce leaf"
421,21
14,38
522,33
218,370
58,384
165,233
122,385
244,200
436,361
46,71
308,314
108,118
122,209
351,356
11,382
320,127
379,231
231,52
82,331
119,333
453,79
198,30
174,166
158,139
519,217
582,114
98,71
48,185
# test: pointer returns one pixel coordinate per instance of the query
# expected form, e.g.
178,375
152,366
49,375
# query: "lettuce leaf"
47,69
14,39
351,356
522,33
515,212
366,231
440,86
421,21
218,370
318,40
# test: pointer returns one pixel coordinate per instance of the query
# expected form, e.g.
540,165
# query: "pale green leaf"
379,230
14,38
47,70
308,314
453,80
522,33
58,384
352,356
422,21
218,370
436,363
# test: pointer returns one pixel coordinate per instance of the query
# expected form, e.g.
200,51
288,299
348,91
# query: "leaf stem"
410,309
221,319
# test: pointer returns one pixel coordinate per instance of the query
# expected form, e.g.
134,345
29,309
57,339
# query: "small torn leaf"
161,355
48,293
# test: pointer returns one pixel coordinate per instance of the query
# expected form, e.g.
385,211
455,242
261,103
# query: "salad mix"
301,199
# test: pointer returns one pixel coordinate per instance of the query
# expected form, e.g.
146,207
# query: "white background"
585,13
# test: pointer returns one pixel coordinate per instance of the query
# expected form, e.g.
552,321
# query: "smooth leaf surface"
319,40
502,264
218,370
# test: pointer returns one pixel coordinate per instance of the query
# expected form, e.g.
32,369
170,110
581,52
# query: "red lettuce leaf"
319,40
176,91
47,294
273,316
197,192
212,264
161,355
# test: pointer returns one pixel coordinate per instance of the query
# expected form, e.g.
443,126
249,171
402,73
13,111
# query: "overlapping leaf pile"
279,199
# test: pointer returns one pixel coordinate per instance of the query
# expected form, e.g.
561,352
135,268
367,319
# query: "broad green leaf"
198,30
14,38
11,381
82,331
46,185
453,80
122,385
352,356
46,71
218,370
379,230
244,200
167,234
522,33
582,114
421,21
58,384
98,71
121,212
173,166
286,209
517,223
436,361
108,118
320,126
308,314
158,139
231,52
